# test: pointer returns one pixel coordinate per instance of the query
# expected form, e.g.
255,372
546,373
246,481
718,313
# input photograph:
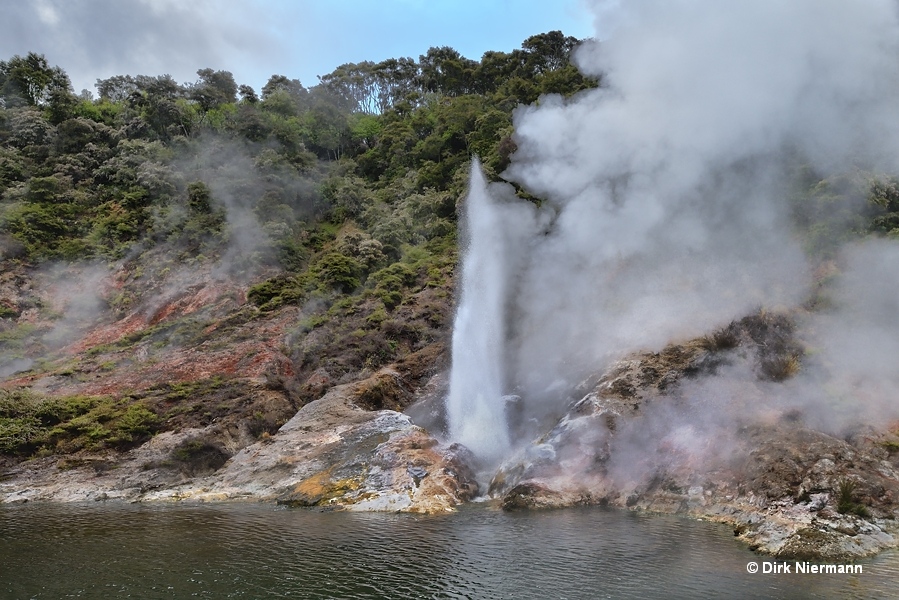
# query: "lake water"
110,550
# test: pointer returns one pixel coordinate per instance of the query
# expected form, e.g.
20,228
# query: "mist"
476,409
852,374
667,195
180,268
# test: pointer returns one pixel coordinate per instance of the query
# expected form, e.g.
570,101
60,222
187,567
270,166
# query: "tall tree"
157,99
398,79
247,94
282,82
214,89
117,88
445,71
355,83
31,80
548,51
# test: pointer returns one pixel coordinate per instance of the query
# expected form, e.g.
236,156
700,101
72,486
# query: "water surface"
111,550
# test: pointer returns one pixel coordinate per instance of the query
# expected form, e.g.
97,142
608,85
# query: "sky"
255,39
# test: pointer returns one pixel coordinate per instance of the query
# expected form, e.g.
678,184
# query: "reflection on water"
258,551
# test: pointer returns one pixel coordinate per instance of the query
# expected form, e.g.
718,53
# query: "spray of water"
475,411
670,184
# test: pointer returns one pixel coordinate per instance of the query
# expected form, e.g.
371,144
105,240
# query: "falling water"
475,408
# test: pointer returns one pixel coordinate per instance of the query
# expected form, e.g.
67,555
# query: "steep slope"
704,429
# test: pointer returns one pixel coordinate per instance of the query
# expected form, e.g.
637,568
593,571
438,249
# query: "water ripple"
255,551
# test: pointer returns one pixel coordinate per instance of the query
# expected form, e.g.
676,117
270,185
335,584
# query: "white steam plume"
854,372
669,180
670,183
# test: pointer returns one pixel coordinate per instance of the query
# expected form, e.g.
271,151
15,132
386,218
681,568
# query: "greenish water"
113,550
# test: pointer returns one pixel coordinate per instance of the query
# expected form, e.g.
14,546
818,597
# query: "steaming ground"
666,198
181,259
847,384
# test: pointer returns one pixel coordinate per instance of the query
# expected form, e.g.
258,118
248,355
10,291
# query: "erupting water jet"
475,407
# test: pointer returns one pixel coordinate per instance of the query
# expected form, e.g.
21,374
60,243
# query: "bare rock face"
333,453
642,438
106,476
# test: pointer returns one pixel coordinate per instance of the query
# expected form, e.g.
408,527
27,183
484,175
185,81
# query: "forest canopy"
85,177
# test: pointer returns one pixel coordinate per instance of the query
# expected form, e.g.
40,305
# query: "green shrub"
274,292
18,432
136,422
391,281
28,420
339,271
846,503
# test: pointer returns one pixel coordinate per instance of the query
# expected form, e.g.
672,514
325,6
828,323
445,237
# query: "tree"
117,88
31,80
281,82
157,99
496,67
199,197
356,84
61,105
284,97
445,71
398,79
214,89
364,129
548,51
247,94
884,197
30,132
327,123
249,123
161,86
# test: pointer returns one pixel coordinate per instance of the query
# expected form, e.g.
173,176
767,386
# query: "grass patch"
15,337
725,338
780,368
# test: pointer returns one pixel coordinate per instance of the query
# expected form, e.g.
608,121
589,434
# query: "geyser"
475,408
671,184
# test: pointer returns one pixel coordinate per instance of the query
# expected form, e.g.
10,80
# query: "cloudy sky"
254,39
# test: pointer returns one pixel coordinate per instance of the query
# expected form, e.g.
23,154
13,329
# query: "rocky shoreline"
639,439
787,490
333,453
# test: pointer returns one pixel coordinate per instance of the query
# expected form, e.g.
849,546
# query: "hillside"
181,255
212,293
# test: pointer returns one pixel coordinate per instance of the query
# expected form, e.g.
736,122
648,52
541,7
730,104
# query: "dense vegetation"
91,178
340,198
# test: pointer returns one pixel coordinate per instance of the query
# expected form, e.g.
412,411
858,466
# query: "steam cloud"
667,191
80,293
